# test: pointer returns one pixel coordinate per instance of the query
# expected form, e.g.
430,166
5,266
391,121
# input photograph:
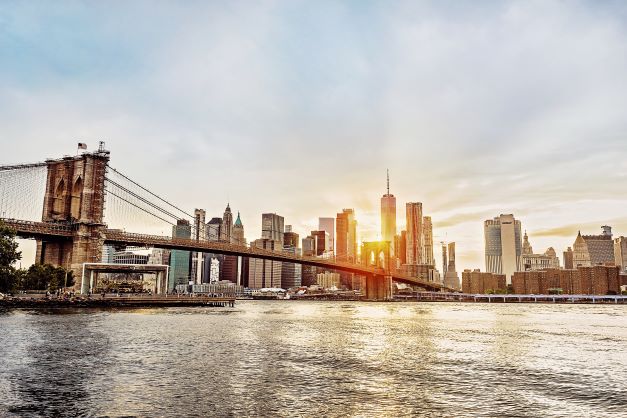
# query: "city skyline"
230,94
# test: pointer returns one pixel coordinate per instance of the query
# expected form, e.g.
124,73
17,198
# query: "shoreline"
208,302
118,302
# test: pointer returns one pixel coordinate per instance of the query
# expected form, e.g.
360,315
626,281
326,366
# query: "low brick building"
478,282
597,280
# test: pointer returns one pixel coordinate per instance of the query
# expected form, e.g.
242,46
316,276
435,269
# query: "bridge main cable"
148,191
138,207
141,199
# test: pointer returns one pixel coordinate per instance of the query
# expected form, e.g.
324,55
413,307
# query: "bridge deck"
43,230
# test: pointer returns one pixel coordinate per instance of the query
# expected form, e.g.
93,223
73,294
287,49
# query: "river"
288,358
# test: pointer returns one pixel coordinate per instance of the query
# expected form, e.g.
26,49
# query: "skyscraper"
179,259
290,238
214,233
265,273
309,246
238,232
290,272
402,250
227,224
328,225
199,234
242,262
322,242
503,246
346,236
229,265
272,226
214,229
427,238
388,217
414,233
451,279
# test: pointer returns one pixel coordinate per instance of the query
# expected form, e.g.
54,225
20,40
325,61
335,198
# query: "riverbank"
113,301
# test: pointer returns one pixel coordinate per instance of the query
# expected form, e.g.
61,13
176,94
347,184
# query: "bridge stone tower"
75,193
377,254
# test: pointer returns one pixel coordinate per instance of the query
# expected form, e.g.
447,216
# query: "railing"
226,247
114,235
40,228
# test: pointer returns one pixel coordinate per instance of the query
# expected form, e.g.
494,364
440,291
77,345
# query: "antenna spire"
388,173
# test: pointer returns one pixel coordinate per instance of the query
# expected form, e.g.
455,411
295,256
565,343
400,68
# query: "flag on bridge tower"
82,145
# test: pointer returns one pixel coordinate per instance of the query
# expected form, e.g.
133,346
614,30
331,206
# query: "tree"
8,246
46,277
8,256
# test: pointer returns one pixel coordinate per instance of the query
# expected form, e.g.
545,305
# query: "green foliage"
8,256
46,277
8,247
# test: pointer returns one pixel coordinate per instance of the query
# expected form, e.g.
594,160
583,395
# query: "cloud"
298,107
586,228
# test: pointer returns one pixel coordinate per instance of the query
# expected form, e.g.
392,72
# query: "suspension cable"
138,207
146,201
148,191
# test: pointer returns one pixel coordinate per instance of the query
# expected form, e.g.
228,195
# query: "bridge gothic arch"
58,204
376,253
75,204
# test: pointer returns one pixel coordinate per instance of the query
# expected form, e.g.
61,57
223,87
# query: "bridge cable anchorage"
146,201
148,191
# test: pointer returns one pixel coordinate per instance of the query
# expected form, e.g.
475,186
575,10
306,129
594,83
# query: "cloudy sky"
477,108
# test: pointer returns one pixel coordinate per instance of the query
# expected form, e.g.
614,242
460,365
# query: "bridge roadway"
45,230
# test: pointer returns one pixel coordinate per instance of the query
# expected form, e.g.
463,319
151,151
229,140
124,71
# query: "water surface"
286,358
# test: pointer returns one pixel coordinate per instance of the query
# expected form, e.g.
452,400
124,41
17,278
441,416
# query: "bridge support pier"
378,287
75,196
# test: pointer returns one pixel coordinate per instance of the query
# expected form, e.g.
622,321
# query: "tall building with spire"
229,267
594,250
451,279
388,217
227,224
526,246
238,238
414,233
238,232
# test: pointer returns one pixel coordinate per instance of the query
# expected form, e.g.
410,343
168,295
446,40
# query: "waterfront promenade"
117,300
512,298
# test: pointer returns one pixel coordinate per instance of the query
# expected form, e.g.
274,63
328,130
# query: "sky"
477,108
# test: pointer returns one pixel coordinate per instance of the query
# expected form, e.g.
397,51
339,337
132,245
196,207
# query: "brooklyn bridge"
68,205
